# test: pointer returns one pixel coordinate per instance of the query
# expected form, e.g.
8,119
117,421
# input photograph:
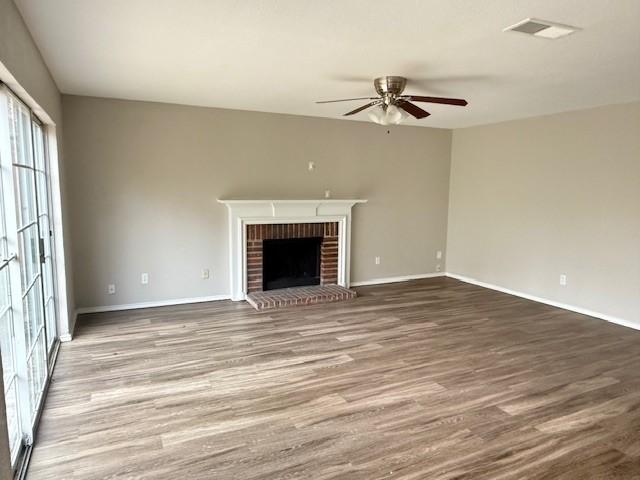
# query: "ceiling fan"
391,107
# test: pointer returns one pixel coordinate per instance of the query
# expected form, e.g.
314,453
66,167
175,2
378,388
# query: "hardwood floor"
431,379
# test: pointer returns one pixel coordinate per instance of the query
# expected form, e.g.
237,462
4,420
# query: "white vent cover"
542,28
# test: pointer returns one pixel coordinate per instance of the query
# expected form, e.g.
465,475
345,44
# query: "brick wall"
328,248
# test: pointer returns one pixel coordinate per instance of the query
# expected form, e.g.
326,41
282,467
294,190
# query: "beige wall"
144,179
20,55
533,199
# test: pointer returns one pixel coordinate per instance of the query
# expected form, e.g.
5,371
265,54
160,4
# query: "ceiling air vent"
541,28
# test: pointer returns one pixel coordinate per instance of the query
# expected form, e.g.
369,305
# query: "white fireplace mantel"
246,212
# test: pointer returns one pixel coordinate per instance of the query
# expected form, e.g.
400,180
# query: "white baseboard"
406,278
375,281
553,303
160,303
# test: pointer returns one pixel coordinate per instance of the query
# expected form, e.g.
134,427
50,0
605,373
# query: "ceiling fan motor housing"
390,86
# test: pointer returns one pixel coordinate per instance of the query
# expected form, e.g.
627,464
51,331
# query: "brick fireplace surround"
328,231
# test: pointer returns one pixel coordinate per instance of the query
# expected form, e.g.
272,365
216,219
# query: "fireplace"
249,222
291,255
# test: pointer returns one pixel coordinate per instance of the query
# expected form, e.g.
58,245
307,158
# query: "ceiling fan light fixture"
386,115
377,115
394,115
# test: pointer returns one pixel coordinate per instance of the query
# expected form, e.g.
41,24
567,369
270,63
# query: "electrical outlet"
439,254
312,166
377,260
111,289
438,268
327,194
205,273
563,279
144,278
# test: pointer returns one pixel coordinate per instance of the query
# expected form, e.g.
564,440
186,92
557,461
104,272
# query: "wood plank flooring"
431,379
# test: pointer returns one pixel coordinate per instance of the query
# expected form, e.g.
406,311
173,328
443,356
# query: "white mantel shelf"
306,203
320,200
243,212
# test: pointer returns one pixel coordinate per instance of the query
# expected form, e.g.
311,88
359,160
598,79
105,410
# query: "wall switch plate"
563,279
439,254
111,289
205,273
144,278
377,260
312,166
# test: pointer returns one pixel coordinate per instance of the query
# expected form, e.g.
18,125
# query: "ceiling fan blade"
347,99
412,109
364,107
447,101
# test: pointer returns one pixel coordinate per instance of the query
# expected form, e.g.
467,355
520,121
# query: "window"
28,322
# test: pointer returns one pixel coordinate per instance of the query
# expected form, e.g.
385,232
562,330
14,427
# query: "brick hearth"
286,297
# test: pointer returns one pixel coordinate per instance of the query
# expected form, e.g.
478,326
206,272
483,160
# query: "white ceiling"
281,55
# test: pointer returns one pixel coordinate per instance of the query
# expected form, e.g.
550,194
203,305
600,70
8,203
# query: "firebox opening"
292,262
